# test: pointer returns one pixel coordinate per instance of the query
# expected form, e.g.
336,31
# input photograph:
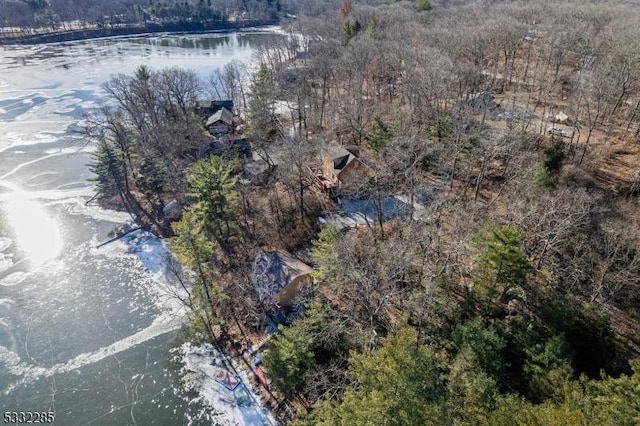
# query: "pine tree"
324,253
471,392
423,5
290,358
110,170
212,184
399,384
486,343
547,367
151,177
194,250
379,136
263,123
503,263
350,28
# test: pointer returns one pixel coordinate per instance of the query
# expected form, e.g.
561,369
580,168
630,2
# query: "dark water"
85,332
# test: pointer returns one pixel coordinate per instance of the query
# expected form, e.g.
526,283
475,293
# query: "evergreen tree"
349,30
471,392
290,358
604,402
541,176
263,123
379,136
615,401
547,367
554,156
423,5
503,263
194,250
110,170
151,177
486,343
325,253
212,184
399,384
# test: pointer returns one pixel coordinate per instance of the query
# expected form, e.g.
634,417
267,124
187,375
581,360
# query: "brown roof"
340,156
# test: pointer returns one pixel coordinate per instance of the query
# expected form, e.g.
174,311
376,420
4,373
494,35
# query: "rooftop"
223,115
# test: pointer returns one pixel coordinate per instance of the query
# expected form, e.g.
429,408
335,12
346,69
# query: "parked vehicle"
559,132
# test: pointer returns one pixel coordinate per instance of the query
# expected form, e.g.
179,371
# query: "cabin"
277,277
221,122
208,108
340,167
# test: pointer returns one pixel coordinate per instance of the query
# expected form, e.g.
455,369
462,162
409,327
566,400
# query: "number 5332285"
27,417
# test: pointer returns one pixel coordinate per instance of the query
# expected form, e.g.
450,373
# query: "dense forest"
58,15
508,294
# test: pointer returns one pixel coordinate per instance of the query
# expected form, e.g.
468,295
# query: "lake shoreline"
115,300
133,30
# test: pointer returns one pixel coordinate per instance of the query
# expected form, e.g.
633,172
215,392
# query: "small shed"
560,117
277,276
221,122
257,172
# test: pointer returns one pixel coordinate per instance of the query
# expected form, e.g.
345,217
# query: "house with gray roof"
220,122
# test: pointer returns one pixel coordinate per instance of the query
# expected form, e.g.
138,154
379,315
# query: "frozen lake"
88,333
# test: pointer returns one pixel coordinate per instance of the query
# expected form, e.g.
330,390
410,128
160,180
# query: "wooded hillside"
503,298
488,153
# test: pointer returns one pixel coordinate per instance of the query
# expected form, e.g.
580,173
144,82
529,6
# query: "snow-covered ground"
240,406
360,212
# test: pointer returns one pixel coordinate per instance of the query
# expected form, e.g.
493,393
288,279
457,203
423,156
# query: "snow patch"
13,279
240,406
5,243
97,212
6,262
154,257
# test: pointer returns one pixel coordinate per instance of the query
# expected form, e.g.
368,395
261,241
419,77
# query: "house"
221,122
207,108
479,101
560,118
340,166
277,277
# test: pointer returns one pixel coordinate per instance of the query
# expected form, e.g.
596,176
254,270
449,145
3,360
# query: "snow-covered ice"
240,406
